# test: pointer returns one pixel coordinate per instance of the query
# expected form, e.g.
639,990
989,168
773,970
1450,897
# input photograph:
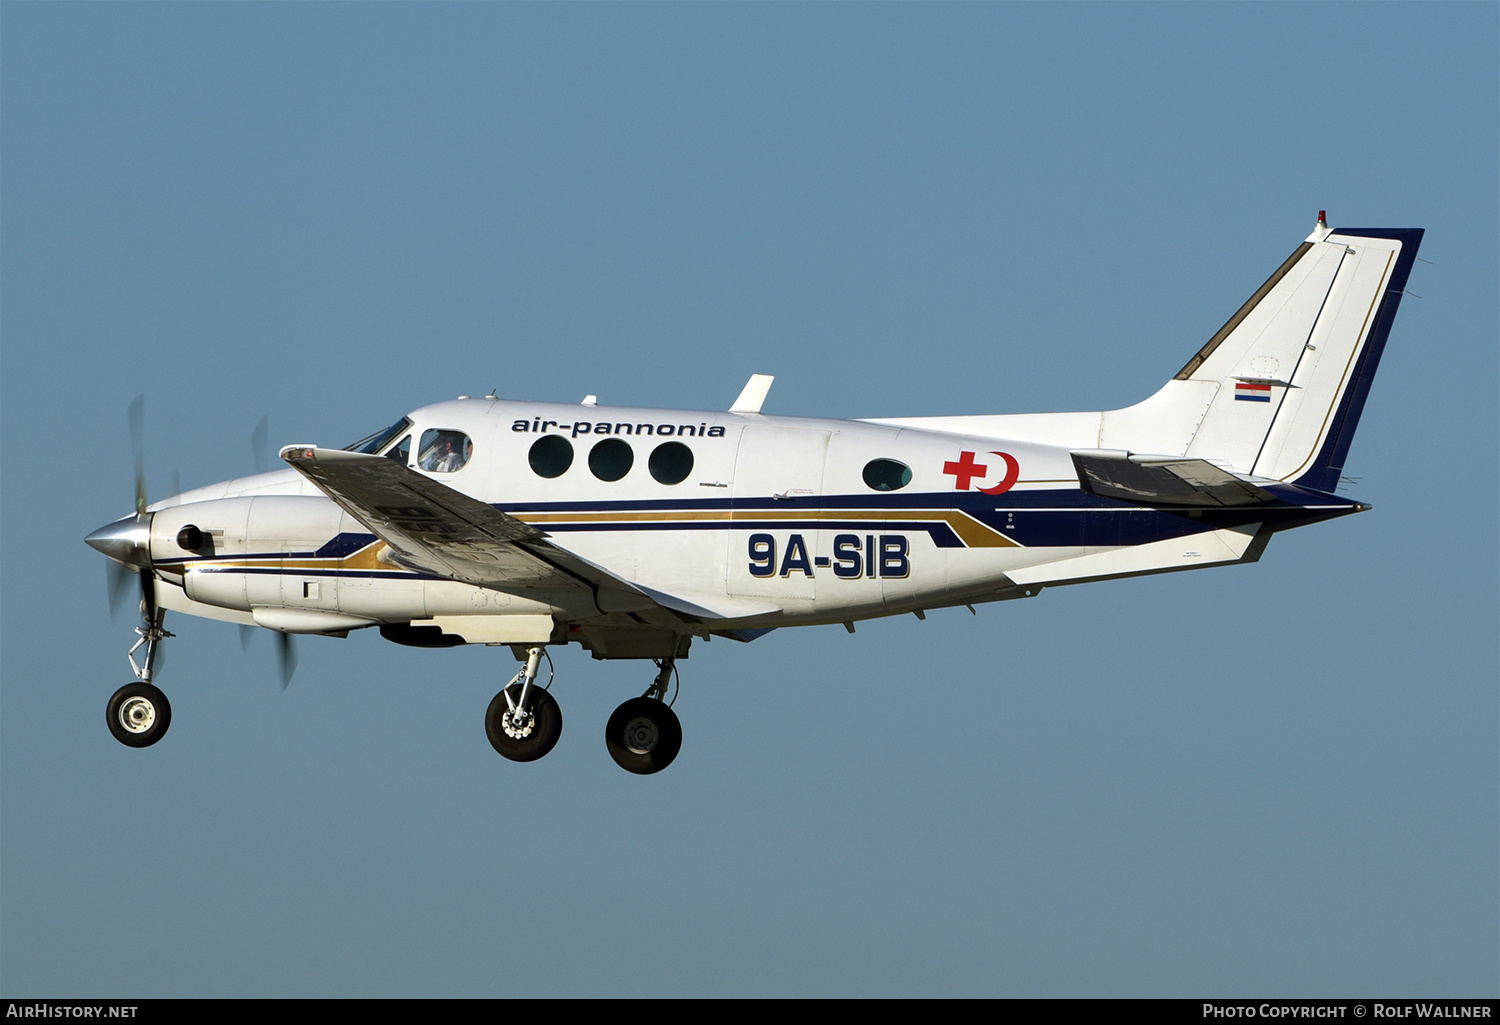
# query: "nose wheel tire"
139,715
523,735
643,736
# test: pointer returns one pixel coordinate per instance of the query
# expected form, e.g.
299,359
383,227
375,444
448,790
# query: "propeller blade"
286,652
137,418
286,658
259,441
117,582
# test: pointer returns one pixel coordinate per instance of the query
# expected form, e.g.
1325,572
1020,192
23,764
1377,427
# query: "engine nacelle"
306,556
269,551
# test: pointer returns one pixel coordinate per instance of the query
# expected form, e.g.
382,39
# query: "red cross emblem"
966,470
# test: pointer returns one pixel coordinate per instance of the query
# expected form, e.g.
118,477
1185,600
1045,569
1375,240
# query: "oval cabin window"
887,475
611,459
550,455
671,462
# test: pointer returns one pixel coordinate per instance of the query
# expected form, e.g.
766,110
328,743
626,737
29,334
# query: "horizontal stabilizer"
1192,551
1152,480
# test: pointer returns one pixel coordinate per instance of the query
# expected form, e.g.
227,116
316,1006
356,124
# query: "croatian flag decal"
1244,391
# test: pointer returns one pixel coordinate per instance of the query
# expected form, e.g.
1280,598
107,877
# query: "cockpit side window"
401,451
377,441
444,451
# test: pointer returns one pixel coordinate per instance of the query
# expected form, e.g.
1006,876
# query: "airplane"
634,532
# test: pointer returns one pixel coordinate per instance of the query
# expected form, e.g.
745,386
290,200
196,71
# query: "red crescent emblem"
1012,474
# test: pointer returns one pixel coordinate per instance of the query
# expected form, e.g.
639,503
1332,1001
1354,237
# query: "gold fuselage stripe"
973,533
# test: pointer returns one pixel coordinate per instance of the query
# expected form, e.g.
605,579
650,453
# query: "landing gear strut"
644,735
150,635
138,713
524,721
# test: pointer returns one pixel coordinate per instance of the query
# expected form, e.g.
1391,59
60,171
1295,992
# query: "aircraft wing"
431,527
436,529
1158,480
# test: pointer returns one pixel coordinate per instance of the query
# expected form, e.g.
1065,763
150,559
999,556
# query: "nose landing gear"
139,713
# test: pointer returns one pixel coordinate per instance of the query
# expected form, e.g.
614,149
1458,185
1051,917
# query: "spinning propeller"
127,544
127,541
286,650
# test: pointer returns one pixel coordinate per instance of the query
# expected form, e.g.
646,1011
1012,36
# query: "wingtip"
293,453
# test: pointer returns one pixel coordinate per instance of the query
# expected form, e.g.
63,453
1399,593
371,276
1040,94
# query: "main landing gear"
524,721
138,713
643,735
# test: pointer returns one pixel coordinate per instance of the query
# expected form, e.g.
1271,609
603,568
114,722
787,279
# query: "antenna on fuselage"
753,395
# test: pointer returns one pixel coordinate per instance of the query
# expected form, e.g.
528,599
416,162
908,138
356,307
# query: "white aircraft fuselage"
773,526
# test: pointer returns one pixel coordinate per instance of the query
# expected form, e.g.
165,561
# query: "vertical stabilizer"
1280,386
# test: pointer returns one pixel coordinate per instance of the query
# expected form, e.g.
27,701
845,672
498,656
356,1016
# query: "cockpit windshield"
380,439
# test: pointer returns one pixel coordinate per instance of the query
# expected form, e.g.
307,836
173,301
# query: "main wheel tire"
138,715
529,738
643,736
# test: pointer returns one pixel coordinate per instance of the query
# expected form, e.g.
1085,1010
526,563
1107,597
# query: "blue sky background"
1278,779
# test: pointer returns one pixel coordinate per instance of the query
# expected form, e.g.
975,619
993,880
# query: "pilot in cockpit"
448,452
